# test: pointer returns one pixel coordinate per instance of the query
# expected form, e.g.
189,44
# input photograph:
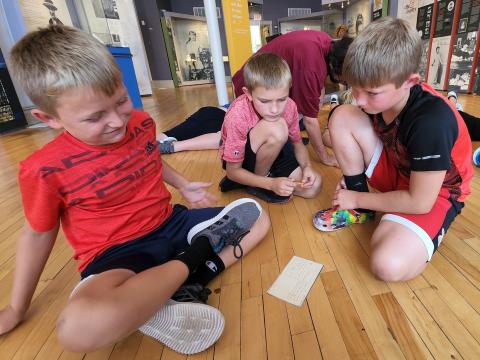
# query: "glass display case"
101,19
260,30
188,48
11,113
326,20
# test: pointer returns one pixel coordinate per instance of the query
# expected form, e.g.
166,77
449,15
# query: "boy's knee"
342,116
276,131
390,267
315,189
73,331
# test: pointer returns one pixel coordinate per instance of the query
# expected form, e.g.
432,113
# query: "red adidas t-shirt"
103,195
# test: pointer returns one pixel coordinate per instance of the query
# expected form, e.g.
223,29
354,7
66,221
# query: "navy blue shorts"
155,248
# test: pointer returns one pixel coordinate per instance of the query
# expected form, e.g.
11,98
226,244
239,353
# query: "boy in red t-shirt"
103,180
405,140
261,143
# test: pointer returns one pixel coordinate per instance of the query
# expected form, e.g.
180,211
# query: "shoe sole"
203,225
187,328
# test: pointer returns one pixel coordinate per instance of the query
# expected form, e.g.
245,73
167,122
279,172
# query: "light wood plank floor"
348,313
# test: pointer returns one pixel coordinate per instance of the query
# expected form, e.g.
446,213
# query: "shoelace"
236,244
230,236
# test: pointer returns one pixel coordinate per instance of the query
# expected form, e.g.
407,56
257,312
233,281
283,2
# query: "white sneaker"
187,328
334,99
167,139
454,95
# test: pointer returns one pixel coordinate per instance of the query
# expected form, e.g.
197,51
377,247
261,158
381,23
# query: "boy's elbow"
423,207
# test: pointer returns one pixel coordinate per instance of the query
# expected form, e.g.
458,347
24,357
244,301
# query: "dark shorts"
473,125
155,248
283,165
206,120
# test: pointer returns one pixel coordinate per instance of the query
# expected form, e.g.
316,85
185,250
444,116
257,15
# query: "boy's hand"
345,199
9,318
341,184
283,186
197,195
308,177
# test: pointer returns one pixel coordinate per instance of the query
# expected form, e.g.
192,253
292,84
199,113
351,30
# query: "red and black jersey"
429,135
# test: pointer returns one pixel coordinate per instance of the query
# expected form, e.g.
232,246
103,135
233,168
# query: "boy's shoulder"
426,103
241,107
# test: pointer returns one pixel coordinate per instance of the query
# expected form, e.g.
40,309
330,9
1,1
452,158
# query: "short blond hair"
267,70
51,60
387,51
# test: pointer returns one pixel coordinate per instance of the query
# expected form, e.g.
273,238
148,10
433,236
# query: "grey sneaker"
192,293
166,147
229,226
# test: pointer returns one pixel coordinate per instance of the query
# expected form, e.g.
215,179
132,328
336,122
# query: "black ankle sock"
196,254
357,183
207,271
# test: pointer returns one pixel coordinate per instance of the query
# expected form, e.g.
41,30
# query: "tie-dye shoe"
333,219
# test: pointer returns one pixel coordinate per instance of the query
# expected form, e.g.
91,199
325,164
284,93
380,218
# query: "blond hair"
387,51
347,97
267,70
51,60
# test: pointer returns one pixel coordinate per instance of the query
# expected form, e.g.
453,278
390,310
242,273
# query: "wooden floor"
348,313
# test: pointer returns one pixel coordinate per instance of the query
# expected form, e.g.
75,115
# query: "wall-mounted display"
438,61
424,27
462,60
379,9
190,56
11,113
407,10
260,30
41,13
444,18
464,46
357,17
115,23
326,20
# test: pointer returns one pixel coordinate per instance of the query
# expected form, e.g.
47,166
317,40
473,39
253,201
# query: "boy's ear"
412,80
46,118
247,92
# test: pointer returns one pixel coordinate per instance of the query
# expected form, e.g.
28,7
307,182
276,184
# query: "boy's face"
91,116
269,103
383,98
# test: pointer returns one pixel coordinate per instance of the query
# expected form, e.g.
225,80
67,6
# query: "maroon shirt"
305,51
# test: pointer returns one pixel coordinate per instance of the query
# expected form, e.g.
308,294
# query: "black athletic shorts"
206,120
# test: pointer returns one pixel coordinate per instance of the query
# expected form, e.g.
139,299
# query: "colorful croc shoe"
333,219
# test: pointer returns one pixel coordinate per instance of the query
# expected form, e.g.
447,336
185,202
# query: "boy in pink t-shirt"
261,143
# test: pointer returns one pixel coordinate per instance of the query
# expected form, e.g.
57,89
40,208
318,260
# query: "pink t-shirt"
240,118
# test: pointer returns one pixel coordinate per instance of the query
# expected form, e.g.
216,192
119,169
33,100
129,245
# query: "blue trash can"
123,57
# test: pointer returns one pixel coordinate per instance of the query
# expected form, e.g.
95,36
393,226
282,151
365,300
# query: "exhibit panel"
325,20
11,113
260,30
465,55
441,44
424,23
189,51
